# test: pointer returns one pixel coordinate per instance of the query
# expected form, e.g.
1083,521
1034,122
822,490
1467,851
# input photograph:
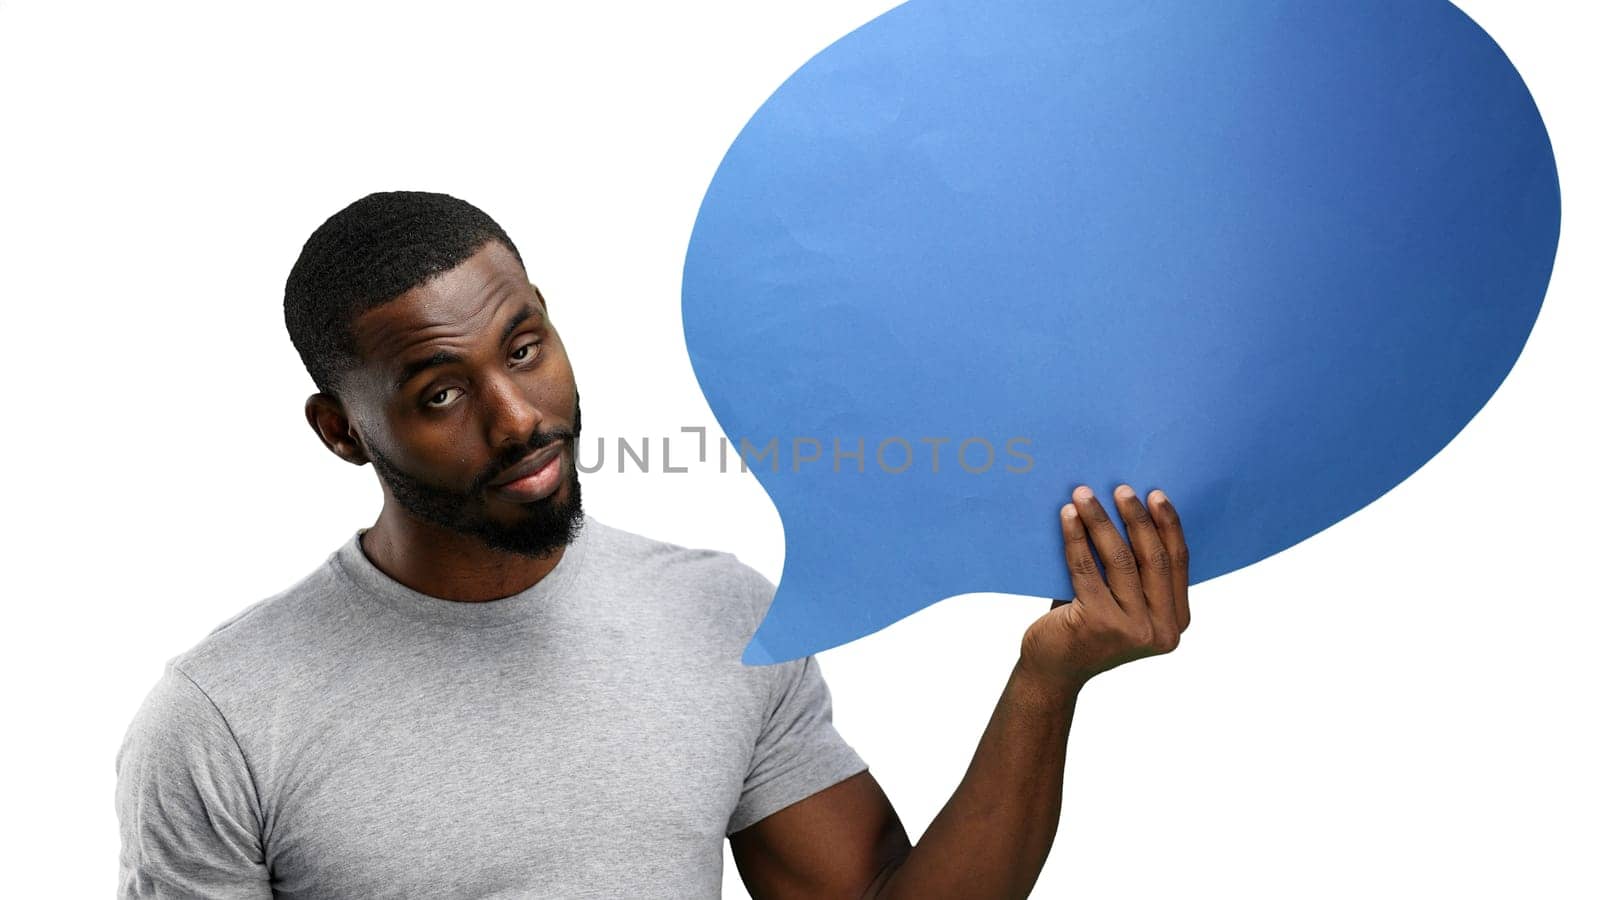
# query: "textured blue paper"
1268,256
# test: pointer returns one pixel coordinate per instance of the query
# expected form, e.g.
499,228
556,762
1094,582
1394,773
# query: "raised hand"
1138,609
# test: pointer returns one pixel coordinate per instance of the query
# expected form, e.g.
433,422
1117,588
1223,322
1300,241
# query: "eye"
442,398
525,352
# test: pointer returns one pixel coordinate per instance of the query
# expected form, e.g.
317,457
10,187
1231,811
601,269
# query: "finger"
1122,571
1087,585
1155,570
1166,516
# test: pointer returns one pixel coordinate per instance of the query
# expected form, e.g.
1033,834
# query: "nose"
510,415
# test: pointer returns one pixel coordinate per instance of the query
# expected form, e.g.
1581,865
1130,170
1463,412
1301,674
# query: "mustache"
516,453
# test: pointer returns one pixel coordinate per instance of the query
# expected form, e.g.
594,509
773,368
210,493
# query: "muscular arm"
992,837
990,840
838,843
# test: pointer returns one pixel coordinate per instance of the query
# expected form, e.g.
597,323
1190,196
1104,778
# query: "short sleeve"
798,752
186,803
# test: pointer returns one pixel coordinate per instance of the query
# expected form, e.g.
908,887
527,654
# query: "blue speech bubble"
1267,255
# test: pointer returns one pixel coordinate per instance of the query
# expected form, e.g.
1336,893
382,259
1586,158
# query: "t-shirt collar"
352,562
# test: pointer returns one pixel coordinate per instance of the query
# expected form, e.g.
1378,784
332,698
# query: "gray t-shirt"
593,736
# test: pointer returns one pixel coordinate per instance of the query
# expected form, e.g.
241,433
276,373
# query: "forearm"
992,837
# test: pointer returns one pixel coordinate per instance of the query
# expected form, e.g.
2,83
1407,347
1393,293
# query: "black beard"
547,526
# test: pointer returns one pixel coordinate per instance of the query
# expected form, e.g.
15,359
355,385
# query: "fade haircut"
367,254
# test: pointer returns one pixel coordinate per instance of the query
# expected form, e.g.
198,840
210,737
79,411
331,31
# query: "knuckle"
1122,560
1140,634
1159,562
1084,565
1180,556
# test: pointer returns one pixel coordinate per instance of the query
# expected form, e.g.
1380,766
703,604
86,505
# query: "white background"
1401,706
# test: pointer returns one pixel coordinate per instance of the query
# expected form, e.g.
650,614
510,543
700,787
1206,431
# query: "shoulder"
714,582
177,720
270,638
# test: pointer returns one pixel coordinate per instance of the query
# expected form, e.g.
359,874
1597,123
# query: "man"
489,694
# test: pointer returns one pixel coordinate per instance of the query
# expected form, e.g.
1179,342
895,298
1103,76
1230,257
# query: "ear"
327,417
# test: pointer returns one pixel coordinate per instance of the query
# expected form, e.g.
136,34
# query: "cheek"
562,388
439,451
558,359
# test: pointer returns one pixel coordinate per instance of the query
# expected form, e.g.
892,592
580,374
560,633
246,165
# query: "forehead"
457,306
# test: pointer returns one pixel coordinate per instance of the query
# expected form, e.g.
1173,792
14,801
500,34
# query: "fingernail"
1124,492
1083,493
1158,499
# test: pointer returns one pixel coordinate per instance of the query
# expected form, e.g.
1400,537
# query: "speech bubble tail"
786,634
756,654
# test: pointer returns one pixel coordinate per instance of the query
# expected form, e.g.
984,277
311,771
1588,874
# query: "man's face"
464,389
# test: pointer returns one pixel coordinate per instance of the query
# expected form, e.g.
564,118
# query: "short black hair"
367,254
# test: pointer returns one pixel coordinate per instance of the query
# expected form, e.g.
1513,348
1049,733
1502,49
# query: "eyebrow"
523,315
413,369
443,357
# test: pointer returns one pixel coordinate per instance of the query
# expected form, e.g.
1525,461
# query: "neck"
438,562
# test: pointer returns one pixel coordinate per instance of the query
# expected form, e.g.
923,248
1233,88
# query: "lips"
528,466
